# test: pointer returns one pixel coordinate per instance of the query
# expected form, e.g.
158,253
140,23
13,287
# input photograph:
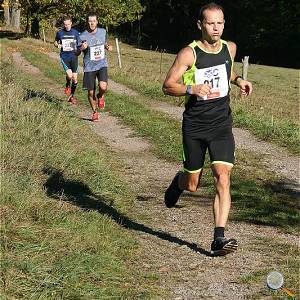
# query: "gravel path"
273,157
176,240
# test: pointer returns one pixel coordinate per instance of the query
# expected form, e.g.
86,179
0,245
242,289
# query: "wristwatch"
188,90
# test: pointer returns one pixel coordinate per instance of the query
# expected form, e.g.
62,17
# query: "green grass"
62,205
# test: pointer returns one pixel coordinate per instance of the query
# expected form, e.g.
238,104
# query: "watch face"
188,89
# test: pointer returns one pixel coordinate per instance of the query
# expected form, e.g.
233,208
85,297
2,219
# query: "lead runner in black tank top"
206,69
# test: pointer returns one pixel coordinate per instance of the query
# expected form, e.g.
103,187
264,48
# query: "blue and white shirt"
94,56
69,41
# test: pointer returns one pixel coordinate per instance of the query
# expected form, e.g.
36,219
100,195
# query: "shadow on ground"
43,95
11,35
269,203
79,194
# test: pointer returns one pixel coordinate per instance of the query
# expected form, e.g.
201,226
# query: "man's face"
92,21
68,25
212,25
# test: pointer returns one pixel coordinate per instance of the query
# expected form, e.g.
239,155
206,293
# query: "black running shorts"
220,145
70,64
89,78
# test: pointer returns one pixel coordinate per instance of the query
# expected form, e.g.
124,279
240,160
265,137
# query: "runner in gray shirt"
94,44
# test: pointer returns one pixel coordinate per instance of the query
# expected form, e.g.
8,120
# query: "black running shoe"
221,246
173,192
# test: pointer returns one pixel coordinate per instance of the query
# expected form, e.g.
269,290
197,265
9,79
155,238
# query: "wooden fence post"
119,55
44,37
245,67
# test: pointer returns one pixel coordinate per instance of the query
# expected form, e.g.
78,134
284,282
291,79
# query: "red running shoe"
72,100
95,116
68,91
101,103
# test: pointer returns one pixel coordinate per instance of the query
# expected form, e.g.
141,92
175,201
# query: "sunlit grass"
62,205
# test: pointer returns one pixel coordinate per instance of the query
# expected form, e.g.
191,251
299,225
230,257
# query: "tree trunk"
15,15
27,23
5,6
35,28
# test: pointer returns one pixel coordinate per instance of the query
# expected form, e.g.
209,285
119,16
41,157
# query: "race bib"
68,44
216,77
97,52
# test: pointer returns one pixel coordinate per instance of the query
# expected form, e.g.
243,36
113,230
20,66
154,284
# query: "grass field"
62,201
257,196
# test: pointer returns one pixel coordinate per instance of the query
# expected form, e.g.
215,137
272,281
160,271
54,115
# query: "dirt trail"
273,157
176,240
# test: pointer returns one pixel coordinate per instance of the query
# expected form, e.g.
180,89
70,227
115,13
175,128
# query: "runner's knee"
90,93
103,86
223,180
192,185
69,74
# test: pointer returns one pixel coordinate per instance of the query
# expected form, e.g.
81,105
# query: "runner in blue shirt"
68,41
94,44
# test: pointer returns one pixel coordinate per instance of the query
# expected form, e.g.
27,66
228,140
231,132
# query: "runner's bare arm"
183,61
172,86
244,85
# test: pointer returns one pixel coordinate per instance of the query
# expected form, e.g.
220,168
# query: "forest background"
268,31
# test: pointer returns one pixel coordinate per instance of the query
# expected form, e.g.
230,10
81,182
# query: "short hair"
209,6
91,14
67,18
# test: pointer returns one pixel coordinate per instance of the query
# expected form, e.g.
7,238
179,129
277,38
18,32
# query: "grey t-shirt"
94,56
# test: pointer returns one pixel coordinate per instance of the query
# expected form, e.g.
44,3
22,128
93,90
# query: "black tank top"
201,115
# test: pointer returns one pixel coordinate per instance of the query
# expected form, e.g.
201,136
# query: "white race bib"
97,52
216,77
68,44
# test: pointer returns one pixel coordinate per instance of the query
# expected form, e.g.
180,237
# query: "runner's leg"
102,89
89,79
102,76
74,83
92,100
68,82
220,245
222,202
74,68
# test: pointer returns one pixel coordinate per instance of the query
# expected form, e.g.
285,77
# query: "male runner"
67,39
94,44
206,68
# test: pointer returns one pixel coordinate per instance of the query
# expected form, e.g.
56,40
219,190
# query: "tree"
268,31
5,6
12,13
15,14
111,12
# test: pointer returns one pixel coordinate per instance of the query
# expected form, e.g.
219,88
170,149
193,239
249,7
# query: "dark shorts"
220,145
89,78
70,64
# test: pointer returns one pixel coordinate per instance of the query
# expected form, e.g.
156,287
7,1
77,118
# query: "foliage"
111,12
257,27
